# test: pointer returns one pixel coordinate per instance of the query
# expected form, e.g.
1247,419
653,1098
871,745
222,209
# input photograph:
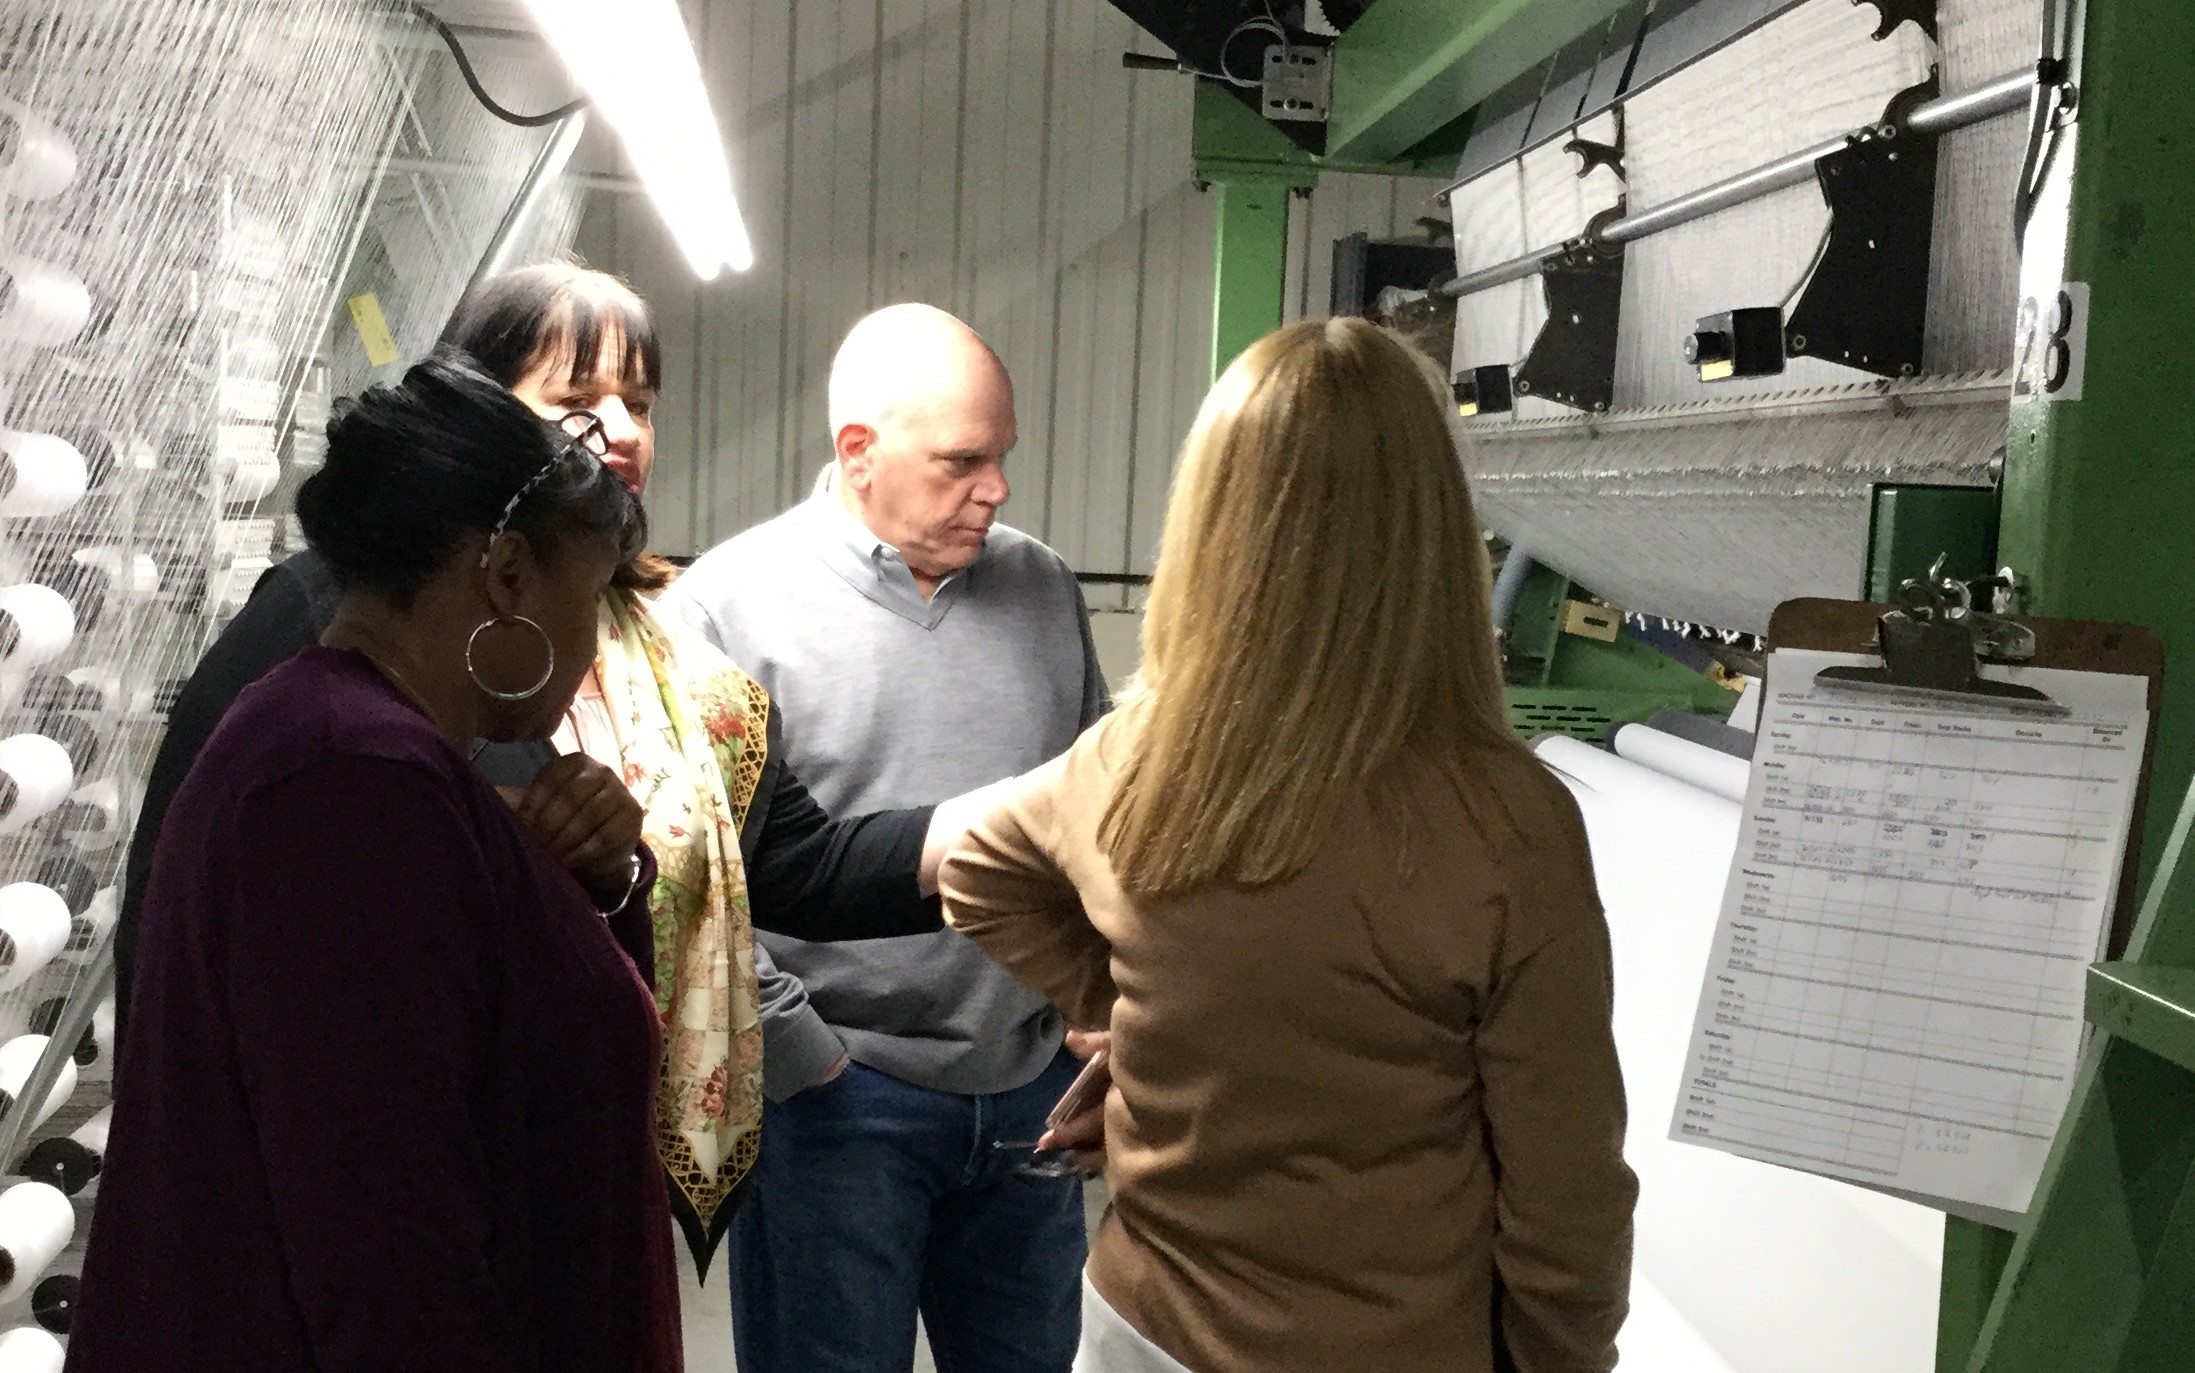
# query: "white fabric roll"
45,623
27,1349
36,1224
42,774
47,306
1628,784
1690,763
43,164
18,1057
50,475
1775,1270
36,920
1656,1338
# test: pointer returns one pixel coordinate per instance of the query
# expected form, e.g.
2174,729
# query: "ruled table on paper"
1894,994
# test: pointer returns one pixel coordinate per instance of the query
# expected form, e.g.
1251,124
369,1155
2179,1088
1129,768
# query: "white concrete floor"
707,1308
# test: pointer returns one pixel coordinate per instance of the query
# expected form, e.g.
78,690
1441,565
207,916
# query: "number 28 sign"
2050,345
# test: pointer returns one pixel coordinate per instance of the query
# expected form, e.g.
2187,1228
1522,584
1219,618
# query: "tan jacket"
1346,1105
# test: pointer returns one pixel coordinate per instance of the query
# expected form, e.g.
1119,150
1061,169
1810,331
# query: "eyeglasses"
582,427
585,429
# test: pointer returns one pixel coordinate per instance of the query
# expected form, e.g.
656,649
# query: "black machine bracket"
1573,361
1895,12
1591,154
1865,303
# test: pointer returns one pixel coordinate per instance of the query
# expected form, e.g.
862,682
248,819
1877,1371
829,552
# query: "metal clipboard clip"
1934,644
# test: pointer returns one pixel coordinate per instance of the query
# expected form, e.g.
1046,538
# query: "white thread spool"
104,682
250,482
40,304
34,922
94,817
94,579
37,624
40,474
102,1037
27,1349
39,163
18,1057
71,1163
39,772
36,1224
96,921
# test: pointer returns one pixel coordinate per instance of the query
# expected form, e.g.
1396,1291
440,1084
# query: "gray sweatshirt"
889,700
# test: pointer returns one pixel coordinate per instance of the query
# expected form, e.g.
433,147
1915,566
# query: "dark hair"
513,321
413,469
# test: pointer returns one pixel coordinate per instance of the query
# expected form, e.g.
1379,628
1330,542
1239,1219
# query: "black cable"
480,92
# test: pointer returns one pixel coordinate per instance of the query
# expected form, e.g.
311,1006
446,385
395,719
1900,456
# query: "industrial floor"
707,1309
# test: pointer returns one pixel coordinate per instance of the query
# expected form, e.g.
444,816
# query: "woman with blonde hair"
1365,1109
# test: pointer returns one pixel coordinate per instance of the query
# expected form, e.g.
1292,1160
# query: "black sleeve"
288,609
815,878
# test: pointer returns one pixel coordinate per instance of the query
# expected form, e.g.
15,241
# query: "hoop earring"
473,672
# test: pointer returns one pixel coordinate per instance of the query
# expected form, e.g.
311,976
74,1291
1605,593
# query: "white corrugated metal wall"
991,157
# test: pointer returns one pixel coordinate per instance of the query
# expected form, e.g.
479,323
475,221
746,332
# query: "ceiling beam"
1409,68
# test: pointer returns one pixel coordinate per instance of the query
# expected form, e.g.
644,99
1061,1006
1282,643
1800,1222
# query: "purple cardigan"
390,1084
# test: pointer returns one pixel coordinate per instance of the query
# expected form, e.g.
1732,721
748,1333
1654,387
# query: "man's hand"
584,815
1082,1135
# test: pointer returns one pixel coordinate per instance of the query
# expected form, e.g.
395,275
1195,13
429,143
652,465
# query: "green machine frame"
2097,519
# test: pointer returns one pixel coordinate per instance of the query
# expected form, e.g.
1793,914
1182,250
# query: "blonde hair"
1319,616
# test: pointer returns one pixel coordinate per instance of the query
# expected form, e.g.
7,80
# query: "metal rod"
555,154
1794,170
480,171
2002,96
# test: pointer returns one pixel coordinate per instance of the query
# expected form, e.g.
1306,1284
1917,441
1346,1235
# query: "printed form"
1894,996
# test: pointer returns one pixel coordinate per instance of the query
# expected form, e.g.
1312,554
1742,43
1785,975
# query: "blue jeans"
875,1199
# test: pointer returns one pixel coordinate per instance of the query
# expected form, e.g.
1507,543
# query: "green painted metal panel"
1250,266
1588,713
2117,1171
1229,140
2111,1207
1974,1258
1408,68
2098,490
1910,526
2161,1338
2146,1005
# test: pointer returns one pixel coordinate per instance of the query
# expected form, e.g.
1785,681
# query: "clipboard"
1924,872
2074,645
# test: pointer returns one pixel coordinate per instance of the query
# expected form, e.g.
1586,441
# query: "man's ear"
854,443
507,569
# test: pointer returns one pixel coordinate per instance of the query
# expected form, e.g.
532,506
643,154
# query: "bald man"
932,649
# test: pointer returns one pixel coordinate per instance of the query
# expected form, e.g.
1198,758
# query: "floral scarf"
691,733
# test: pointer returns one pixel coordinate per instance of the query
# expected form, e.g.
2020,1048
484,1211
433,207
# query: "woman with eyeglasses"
740,842
390,1088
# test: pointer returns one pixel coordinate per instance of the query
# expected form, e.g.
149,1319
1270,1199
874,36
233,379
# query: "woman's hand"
1082,1135
582,812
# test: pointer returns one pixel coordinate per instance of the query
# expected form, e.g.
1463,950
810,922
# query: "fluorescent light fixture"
636,62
